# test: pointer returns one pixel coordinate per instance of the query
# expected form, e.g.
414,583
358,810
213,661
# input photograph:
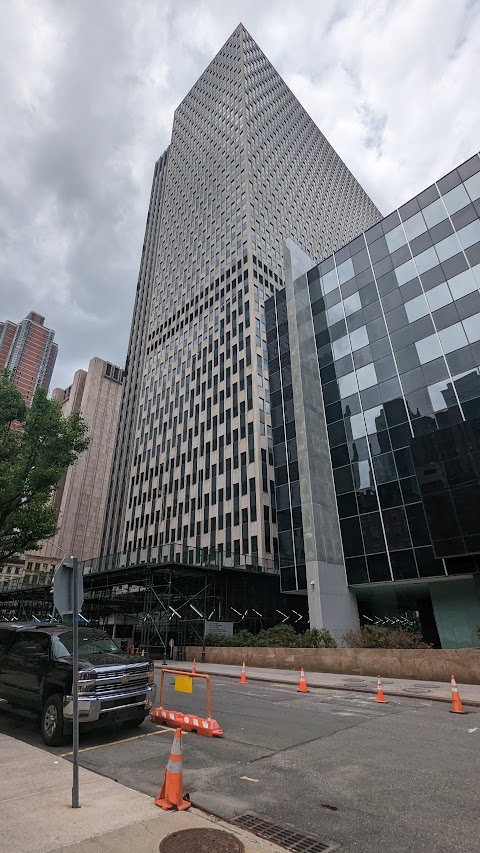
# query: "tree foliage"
37,445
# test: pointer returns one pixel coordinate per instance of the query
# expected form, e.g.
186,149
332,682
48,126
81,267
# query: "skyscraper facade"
246,168
28,351
82,493
374,358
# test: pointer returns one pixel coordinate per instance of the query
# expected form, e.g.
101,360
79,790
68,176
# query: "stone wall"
421,664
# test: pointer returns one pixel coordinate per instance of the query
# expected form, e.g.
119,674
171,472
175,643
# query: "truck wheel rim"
51,718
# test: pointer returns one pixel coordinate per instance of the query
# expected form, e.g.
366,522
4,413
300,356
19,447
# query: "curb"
473,703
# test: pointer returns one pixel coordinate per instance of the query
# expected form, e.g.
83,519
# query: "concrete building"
374,363
29,352
81,496
246,168
27,570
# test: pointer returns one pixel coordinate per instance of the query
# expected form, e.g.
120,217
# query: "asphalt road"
402,777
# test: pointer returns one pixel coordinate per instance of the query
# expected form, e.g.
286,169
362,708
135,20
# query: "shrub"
280,636
378,637
319,638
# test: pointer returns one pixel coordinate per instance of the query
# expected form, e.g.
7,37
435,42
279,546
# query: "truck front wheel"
52,722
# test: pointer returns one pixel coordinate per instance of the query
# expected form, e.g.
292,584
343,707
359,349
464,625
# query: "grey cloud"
87,94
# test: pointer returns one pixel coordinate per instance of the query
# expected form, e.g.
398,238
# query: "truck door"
23,668
6,638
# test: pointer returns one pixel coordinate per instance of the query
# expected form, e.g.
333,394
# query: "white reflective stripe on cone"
176,747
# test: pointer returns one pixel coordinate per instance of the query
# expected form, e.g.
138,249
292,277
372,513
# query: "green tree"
37,445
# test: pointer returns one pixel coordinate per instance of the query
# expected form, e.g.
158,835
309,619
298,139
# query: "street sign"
224,629
63,587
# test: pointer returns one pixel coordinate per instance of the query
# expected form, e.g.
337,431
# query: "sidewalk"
36,814
435,691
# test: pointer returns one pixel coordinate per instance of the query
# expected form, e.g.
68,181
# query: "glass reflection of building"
374,359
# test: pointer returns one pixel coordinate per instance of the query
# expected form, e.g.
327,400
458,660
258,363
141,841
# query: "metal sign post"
68,599
75,802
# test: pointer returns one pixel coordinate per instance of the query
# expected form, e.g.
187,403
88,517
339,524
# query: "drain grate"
284,836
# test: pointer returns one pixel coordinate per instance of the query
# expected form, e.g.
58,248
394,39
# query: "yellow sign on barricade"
184,684
186,721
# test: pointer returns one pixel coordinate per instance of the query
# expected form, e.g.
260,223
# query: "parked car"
36,673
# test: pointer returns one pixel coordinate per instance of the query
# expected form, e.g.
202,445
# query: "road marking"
471,731
116,742
249,779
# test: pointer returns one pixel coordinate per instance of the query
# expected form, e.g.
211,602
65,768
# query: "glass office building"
374,358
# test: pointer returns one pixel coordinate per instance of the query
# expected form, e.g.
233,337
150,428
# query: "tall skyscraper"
28,350
82,493
246,168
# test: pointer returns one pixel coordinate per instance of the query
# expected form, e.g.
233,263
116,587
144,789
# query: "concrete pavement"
36,814
434,691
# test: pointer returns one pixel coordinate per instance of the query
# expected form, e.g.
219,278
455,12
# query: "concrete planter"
421,664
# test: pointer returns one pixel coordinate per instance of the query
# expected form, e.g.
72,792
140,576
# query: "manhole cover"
354,681
414,690
201,841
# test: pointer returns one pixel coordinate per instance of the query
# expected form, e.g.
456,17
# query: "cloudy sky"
87,94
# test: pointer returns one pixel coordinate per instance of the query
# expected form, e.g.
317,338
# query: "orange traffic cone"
194,666
171,795
132,650
243,677
380,697
457,707
302,687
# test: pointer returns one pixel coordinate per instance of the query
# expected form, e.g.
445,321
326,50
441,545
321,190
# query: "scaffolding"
164,597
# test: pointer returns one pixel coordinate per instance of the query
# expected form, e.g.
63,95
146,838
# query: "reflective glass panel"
329,281
414,226
406,272
359,338
362,475
366,376
470,234
442,395
334,314
472,328
473,186
375,419
439,296
416,308
456,199
428,349
395,239
462,284
427,260
447,248
435,213
357,426
341,347
385,468
345,271
453,338
352,304
347,384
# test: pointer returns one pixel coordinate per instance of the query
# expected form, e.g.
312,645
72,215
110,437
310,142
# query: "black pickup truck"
36,673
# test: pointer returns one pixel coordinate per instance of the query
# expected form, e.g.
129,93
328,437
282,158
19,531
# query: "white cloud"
87,98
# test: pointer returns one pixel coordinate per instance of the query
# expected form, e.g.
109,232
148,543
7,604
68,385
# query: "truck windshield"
89,643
